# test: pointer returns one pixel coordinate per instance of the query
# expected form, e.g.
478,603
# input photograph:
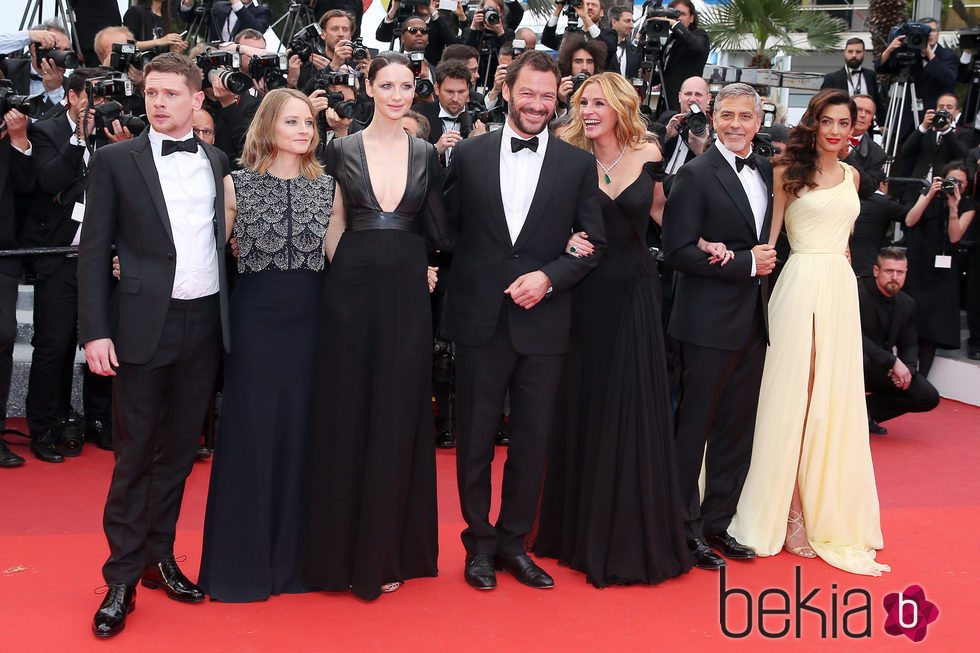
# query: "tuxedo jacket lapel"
143,154
493,188
729,181
542,193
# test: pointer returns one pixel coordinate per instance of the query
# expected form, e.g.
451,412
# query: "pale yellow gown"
815,304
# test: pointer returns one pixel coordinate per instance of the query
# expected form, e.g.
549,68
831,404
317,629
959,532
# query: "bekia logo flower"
909,613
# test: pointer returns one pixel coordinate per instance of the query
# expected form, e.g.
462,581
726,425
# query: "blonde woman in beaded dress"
811,486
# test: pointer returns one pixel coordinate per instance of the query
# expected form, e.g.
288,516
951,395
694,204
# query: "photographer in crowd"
60,156
932,69
588,11
441,31
934,143
44,74
578,60
624,57
227,19
861,151
446,117
878,213
685,52
487,32
892,380
336,31
686,138
505,57
15,174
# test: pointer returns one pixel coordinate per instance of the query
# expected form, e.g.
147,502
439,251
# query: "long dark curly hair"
800,157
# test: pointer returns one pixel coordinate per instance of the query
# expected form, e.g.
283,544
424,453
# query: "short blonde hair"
260,141
622,98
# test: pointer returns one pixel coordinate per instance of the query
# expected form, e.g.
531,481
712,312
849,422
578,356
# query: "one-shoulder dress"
815,307
372,516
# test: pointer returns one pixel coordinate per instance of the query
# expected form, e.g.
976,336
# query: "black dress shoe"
503,433
729,547
704,557
167,575
203,452
524,570
445,439
110,618
100,433
875,428
479,571
8,458
44,448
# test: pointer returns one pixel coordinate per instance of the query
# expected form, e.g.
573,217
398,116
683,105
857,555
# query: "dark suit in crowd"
168,349
932,79
869,85
888,325
869,159
683,55
630,51
878,213
19,72
719,317
928,152
250,16
499,345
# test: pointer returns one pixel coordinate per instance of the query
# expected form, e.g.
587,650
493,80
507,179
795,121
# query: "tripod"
203,10
651,64
972,105
34,13
297,16
896,111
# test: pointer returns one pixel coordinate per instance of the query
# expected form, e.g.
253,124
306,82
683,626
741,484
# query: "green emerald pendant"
608,181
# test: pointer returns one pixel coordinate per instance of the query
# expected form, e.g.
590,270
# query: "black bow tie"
187,145
747,161
518,144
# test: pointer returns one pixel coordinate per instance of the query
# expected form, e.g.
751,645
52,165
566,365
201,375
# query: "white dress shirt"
188,190
755,190
592,33
621,56
519,172
74,140
678,157
855,81
449,123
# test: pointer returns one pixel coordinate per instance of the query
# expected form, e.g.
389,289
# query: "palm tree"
883,15
775,26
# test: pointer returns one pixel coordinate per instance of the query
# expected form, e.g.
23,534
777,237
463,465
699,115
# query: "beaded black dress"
256,509
610,505
373,492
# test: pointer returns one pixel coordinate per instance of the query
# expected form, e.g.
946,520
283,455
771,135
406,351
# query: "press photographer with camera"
931,67
44,72
442,31
227,99
588,11
335,105
149,21
505,57
935,224
227,19
60,156
487,32
322,45
451,118
688,131
686,50
578,60
624,57
861,151
934,144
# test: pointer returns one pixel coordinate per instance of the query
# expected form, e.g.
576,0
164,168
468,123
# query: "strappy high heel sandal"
797,521
388,588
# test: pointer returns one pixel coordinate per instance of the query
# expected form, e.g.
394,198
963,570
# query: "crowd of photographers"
53,122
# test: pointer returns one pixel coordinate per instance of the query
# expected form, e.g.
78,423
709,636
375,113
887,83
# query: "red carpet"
52,549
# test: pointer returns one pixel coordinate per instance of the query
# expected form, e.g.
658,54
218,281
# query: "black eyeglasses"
417,30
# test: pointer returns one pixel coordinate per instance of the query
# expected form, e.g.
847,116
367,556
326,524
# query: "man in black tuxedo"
514,195
852,77
60,159
930,147
878,212
681,144
719,317
685,52
887,325
624,57
933,71
33,76
159,199
452,94
861,150
229,18
15,176
589,12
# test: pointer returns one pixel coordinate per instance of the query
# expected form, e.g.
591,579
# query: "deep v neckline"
622,192
367,174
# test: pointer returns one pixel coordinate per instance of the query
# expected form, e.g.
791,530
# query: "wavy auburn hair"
621,98
260,142
800,157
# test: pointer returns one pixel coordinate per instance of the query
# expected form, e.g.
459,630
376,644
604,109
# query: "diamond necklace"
609,169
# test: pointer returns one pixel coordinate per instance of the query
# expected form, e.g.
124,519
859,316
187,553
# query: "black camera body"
695,120
270,67
114,86
60,58
224,66
969,38
360,53
307,42
916,39
337,102
104,114
127,54
423,86
475,111
578,80
29,105
762,146
948,186
941,120
327,78
490,15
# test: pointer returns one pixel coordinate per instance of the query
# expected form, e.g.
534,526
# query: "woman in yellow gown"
811,485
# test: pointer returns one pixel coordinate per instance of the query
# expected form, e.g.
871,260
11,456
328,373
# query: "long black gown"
256,510
372,493
610,505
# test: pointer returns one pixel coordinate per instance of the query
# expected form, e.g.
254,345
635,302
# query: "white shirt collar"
445,114
508,133
157,138
728,154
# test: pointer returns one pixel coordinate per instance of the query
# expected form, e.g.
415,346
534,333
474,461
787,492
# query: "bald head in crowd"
694,89
104,39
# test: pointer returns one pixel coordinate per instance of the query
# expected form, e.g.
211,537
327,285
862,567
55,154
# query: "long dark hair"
164,11
800,156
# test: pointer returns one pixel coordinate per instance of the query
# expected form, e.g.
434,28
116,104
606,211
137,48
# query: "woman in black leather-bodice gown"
373,491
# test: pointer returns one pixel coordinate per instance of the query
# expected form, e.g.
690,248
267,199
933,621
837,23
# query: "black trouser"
8,334
158,409
886,400
718,402
52,362
483,377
